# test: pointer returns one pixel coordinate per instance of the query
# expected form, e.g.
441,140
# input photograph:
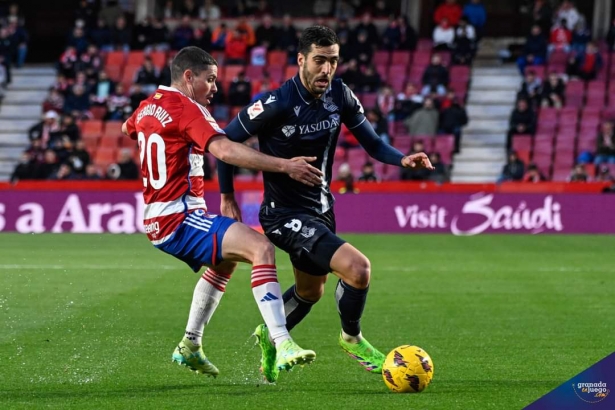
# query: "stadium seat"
369,100
108,141
114,72
290,72
402,144
104,156
159,58
381,57
522,145
113,128
424,44
135,58
91,128
91,143
539,70
254,72
401,57
231,72
276,73
98,112
460,73
129,76
277,58
548,114
127,142
383,70
558,57
115,58
421,58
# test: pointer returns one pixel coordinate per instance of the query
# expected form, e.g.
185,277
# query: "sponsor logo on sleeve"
255,110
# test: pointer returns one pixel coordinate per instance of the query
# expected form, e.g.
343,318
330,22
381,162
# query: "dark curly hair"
321,36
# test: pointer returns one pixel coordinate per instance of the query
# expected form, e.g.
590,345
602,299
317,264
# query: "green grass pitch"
90,321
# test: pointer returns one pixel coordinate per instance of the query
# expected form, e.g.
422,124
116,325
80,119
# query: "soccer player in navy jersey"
303,118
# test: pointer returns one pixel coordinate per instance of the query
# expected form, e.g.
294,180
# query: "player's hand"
420,160
229,207
299,170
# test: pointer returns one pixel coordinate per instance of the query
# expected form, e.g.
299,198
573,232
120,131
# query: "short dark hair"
190,58
322,36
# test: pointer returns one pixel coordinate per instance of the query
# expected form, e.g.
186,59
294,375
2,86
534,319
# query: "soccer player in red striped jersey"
174,130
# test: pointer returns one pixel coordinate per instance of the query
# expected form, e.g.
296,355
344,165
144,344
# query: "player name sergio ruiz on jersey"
157,112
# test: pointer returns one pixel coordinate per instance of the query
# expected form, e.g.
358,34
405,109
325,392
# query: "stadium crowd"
561,128
110,64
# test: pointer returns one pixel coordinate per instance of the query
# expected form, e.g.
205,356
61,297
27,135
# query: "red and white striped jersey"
173,131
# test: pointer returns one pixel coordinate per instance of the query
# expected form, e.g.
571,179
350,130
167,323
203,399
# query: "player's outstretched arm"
383,152
238,154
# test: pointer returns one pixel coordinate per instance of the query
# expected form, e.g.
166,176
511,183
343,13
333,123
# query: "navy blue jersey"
290,122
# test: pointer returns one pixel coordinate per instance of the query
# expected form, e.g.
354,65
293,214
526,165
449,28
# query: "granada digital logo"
591,392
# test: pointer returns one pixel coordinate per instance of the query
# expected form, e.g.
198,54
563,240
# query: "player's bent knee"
360,272
311,293
263,249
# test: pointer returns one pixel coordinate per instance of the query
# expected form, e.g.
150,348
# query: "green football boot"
193,357
363,352
289,354
268,353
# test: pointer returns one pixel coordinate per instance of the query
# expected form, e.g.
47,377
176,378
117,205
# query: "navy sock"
295,307
350,305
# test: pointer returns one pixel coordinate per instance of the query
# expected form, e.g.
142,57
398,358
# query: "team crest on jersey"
157,96
255,110
288,130
329,105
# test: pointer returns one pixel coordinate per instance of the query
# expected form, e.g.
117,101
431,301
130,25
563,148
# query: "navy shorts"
309,238
198,239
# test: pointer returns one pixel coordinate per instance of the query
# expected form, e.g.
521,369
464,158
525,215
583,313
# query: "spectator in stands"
533,174
610,37
287,38
381,9
159,35
379,123
63,148
183,35
345,175
534,51
385,101
62,84
522,121
368,174
127,169
19,38
90,62
121,36
343,30
322,8
142,31
148,76
531,89
362,50
463,48
452,119
189,8
604,174
561,38
100,36
553,92
414,174
443,35
267,33
87,13
368,27
567,11
476,15
62,173
118,104
391,38
54,101
449,10
589,63
605,144
240,90
136,96
370,80
436,73
246,28
578,174
36,152
351,76
440,173
209,11
581,36
45,130
79,159
69,129
92,173
236,48
542,15
77,40
165,75
6,52
111,13
77,102
102,90
513,170
423,121
343,10
407,102
24,169
167,10
465,26
409,38
262,8
48,167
